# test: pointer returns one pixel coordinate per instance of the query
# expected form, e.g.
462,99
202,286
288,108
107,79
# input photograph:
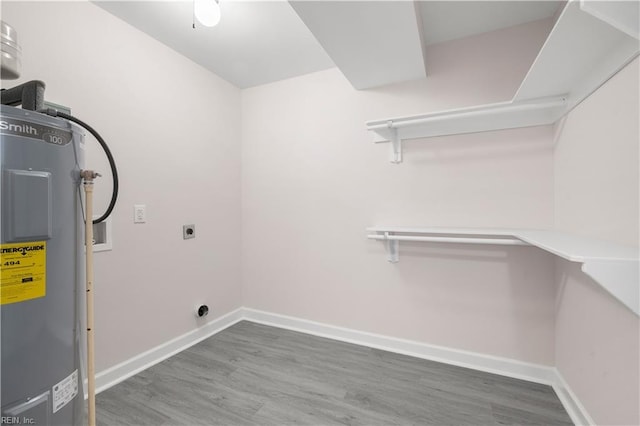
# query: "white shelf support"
396,144
392,247
613,266
621,279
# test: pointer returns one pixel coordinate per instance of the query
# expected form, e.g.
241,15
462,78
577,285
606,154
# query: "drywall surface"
597,348
174,129
596,163
313,181
596,181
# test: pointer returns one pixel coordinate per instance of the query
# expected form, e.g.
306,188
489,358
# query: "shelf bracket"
396,144
392,247
618,278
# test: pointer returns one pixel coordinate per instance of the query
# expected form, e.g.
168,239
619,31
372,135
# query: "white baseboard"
116,374
571,403
477,361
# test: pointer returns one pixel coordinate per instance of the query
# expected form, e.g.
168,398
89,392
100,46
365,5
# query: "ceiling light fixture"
207,12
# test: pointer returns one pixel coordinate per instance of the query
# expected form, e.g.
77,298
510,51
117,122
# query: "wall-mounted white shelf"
482,118
589,43
615,267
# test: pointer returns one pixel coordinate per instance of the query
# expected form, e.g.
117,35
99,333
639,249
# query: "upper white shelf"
587,46
589,43
503,115
615,267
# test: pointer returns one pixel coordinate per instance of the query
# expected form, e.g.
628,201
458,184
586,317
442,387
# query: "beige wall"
313,181
174,129
596,167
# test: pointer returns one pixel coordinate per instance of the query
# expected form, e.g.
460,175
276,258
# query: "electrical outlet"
188,232
139,213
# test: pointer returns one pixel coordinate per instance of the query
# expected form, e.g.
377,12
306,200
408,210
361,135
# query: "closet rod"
515,109
500,241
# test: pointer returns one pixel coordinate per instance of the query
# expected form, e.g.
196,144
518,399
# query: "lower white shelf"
615,267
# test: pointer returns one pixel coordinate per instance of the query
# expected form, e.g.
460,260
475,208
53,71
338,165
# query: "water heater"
40,268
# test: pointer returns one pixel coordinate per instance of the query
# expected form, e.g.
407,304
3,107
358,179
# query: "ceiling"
263,41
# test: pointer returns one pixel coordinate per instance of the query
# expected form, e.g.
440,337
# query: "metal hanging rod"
465,240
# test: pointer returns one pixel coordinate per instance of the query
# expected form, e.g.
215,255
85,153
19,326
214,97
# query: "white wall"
596,166
596,163
174,129
313,181
597,348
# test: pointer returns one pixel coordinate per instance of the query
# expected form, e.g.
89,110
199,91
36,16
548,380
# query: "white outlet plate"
139,213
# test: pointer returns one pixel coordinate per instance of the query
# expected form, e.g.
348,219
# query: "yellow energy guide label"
23,271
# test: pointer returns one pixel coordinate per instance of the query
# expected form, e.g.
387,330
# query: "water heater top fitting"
10,69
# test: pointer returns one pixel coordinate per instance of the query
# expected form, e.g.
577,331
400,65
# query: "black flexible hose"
31,96
107,151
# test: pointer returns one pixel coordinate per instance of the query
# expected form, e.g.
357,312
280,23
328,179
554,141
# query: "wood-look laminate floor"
251,374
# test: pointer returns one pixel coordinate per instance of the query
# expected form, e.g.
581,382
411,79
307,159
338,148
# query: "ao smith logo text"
25,128
22,250
48,134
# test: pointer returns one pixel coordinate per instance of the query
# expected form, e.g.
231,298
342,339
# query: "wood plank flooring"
252,374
